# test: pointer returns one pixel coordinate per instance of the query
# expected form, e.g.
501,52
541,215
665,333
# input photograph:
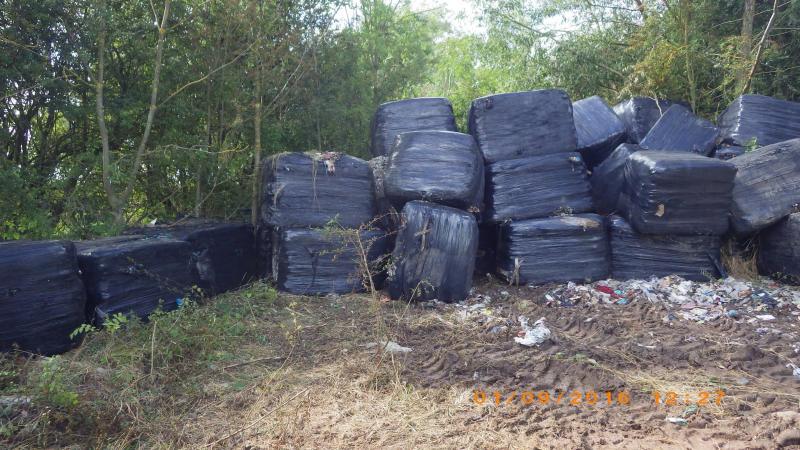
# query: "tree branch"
761,43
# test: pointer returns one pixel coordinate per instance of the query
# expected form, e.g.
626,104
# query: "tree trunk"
746,49
255,203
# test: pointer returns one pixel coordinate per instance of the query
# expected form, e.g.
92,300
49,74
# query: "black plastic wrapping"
486,259
434,256
680,130
325,261
759,120
554,250
779,252
302,190
677,193
643,256
728,152
223,253
537,187
264,251
599,130
608,179
135,276
438,166
639,114
523,124
42,297
416,114
767,186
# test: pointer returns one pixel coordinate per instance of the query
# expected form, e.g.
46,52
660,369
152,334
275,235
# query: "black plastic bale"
680,130
554,250
677,193
608,179
757,120
779,250
599,130
437,166
643,256
767,186
537,187
42,297
523,124
302,190
326,261
223,253
434,256
728,152
639,114
486,259
416,114
264,251
135,276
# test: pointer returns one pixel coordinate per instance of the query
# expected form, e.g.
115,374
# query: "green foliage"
53,384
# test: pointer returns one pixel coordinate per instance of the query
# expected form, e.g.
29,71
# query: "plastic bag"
680,130
537,187
135,276
43,299
639,114
434,256
523,124
599,130
643,256
438,166
767,186
416,114
554,250
759,120
608,179
779,252
324,261
302,190
677,193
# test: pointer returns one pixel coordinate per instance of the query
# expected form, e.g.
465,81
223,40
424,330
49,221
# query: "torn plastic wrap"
437,166
608,179
554,250
302,190
728,152
523,124
416,114
759,120
680,130
779,252
434,256
639,114
223,254
677,193
325,261
767,186
135,276
41,296
643,256
599,130
537,187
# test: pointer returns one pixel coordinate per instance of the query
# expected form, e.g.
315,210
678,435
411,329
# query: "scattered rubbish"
677,420
532,336
765,317
390,347
795,370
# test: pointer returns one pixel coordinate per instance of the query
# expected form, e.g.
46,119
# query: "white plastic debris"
390,347
677,420
534,335
795,370
765,317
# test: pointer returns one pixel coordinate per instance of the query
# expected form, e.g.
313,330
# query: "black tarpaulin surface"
608,179
680,130
415,114
599,130
779,250
759,120
728,152
639,114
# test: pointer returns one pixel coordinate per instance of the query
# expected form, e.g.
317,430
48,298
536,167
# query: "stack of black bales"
678,129
599,130
534,172
318,208
639,114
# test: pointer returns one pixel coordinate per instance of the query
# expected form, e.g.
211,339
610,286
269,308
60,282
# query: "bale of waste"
728,152
608,179
639,114
767,186
223,253
437,166
643,256
303,190
43,299
264,251
554,250
325,261
680,130
598,128
677,193
758,120
540,186
434,255
523,124
485,260
416,114
779,252
135,276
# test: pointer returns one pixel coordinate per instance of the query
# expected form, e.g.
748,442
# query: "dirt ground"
331,387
